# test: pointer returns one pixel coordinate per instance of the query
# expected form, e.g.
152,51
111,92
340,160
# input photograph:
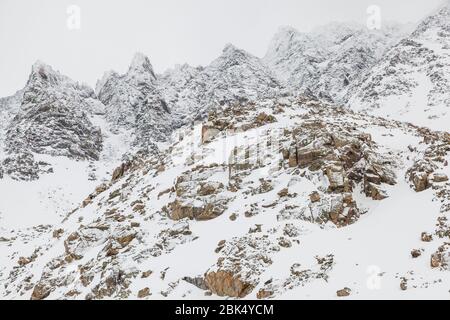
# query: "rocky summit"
320,170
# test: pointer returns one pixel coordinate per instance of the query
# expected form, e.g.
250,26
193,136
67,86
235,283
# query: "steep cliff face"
412,82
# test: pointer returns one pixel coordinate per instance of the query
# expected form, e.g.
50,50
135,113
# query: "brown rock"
336,178
292,158
420,181
264,294
426,237
314,197
120,171
139,207
178,211
373,191
224,283
436,260
404,284
125,240
283,193
264,118
343,292
416,253
144,293
208,133
57,233
40,292
438,177
23,261
146,274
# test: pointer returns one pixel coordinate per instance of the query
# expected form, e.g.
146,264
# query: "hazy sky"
168,31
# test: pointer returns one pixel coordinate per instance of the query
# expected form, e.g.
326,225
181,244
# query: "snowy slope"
412,82
283,199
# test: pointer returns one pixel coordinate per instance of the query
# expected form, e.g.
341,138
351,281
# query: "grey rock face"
52,119
134,102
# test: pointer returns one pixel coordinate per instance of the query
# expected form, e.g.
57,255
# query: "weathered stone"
426,237
435,260
264,294
283,193
224,283
420,181
373,191
144,293
439,177
209,133
40,292
314,197
416,253
146,274
344,292
179,211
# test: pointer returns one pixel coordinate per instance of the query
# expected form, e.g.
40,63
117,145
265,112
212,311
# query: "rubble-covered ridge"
53,120
411,82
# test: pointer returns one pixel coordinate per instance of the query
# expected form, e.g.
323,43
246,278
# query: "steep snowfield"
206,217
412,82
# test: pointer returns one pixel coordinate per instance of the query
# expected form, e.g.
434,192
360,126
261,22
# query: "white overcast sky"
168,31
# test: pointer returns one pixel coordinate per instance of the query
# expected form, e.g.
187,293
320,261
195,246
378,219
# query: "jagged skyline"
170,37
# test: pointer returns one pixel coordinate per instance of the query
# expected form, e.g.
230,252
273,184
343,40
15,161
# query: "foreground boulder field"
292,176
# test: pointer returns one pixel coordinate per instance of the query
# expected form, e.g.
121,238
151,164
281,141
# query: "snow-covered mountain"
253,183
329,60
234,77
133,102
412,82
52,120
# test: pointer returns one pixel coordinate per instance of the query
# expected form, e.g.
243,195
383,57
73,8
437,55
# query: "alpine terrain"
319,171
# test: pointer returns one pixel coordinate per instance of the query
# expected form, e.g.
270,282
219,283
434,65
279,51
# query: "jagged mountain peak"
44,73
141,69
232,55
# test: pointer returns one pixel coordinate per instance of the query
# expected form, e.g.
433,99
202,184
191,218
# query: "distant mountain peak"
141,65
41,70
